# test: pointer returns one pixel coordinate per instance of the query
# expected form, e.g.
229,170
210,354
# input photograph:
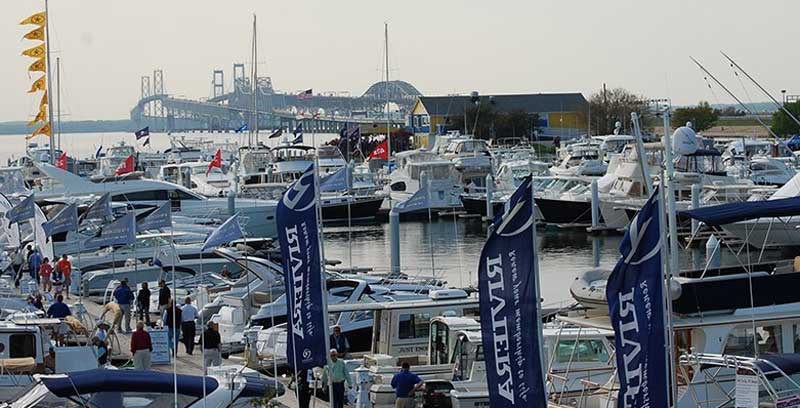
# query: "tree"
702,116
483,127
609,106
782,124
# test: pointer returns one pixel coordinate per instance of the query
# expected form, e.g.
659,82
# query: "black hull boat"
362,208
476,204
565,211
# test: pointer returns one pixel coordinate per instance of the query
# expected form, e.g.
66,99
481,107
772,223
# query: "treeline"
78,126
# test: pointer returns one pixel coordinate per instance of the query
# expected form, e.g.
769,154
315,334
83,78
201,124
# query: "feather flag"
40,117
39,19
36,34
35,52
42,130
40,65
38,85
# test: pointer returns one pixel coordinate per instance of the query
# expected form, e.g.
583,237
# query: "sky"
439,46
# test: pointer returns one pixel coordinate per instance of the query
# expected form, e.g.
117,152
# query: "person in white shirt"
188,315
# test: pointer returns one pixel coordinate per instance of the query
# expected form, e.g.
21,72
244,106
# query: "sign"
746,391
509,307
65,220
298,233
636,308
160,340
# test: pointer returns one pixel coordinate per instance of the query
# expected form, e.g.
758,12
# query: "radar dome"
684,141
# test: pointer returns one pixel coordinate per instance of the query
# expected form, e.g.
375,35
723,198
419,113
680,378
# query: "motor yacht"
423,181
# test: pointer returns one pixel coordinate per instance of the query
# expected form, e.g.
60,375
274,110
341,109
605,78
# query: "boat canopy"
789,363
746,210
100,380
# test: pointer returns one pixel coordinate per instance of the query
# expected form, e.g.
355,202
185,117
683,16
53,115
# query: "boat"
198,177
423,183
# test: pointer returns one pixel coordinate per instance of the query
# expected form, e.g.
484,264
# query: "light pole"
783,93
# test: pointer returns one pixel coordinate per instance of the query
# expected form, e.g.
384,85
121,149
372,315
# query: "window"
181,195
22,345
153,195
741,341
587,351
414,326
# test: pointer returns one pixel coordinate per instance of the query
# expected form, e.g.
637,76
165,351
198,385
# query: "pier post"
394,239
713,258
595,206
695,205
489,194
231,202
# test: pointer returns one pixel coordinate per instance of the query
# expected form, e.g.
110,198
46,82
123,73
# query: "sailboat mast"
49,82
386,89
254,88
58,98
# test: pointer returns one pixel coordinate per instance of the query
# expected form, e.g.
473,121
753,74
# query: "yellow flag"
40,117
41,130
35,52
38,85
44,101
36,34
38,19
38,66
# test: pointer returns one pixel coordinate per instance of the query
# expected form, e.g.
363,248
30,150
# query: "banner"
160,218
35,52
635,305
40,65
37,34
121,231
227,232
23,211
37,19
298,235
40,117
65,220
100,209
509,307
334,182
381,151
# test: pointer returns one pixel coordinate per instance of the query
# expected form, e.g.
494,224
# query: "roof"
530,103
91,381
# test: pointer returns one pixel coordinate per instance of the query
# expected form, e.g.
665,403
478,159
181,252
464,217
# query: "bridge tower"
145,92
219,83
240,82
158,107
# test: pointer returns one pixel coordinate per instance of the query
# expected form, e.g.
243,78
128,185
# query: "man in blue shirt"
34,262
124,296
405,384
59,309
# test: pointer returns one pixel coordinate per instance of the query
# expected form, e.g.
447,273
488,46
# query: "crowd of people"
50,275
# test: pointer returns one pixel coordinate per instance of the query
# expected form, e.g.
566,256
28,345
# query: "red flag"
61,163
381,151
216,162
125,167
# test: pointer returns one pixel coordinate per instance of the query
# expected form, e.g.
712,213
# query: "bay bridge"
229,109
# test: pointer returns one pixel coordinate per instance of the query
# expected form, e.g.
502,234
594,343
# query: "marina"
531,243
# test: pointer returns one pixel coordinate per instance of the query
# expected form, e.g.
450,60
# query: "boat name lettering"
494,270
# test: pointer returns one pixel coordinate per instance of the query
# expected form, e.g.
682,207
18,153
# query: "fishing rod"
735,98
779,105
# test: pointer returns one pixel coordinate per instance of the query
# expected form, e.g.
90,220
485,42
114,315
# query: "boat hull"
565,211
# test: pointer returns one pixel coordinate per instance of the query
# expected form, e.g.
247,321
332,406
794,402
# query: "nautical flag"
121,231
298,234
65,220
298,134
216,162
40,117
381,151
509,307
61,162
143,132
127,166
242,128
35,52
40,65
41,130
25,210
307,94
161,217
98,152
36,34
276,133
38,85
44,102
636,307
100,209
334,182
354,133
39,19
227,232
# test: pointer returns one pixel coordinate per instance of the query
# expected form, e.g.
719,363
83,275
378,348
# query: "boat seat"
797,264
17,365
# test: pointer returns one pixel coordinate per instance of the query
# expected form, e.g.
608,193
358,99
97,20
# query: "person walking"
339,375
339,342
405,384
141,347
211,344
45,272
164,296
143,303
124,296
188,314
65,268
171,319
34,262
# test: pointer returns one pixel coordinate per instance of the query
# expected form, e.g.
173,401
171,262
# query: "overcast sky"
440,46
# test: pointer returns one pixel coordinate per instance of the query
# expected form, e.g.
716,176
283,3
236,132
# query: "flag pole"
535,263
202,329
174,339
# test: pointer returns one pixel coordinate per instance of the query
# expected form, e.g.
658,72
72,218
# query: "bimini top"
746,210
788,363
100,380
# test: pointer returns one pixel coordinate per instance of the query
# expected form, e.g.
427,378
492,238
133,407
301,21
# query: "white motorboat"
422,181
197,177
